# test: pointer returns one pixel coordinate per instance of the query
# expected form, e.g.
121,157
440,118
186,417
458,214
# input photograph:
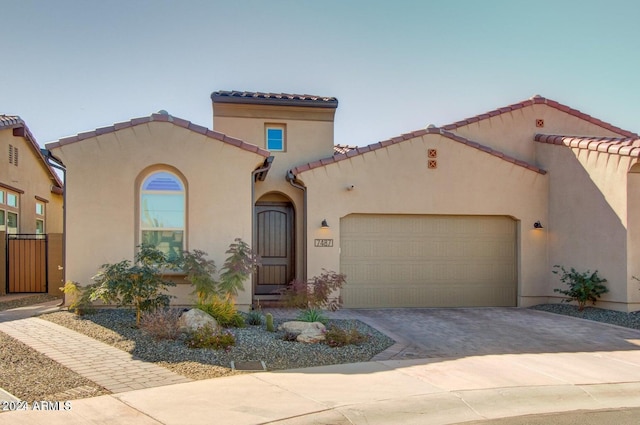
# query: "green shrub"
317,293
200,273
161,324
312,315
338,337
239,265
254,318
583,287
207,337
80,298
224,311
140,285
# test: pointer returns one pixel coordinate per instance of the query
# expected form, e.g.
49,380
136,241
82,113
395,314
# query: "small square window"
40,227
1,196
275,138
39,208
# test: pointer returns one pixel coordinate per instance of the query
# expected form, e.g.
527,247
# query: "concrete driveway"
464,332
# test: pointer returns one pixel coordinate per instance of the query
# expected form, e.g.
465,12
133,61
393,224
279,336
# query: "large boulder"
309,332
196,318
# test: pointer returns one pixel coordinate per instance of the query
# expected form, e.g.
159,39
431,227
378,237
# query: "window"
162,212
40,218
275,138
8,211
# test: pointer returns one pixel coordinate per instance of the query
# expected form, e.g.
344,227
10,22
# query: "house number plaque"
323,243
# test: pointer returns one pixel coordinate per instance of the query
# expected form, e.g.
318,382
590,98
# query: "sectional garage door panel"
428,261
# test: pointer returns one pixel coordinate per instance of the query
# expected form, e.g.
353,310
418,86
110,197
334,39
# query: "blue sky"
70,66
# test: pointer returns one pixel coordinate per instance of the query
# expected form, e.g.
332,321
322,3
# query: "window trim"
273,126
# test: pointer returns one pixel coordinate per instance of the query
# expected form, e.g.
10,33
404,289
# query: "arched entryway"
274,242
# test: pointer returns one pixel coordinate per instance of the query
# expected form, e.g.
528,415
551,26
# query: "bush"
583,287
80,298
338,337
161,324
224,311
207,337
312,315
240,264
316,293
200,272
254,318
140,285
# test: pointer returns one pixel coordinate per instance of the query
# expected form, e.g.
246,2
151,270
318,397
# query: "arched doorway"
274,242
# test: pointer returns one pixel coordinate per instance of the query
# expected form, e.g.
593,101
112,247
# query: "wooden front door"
274,227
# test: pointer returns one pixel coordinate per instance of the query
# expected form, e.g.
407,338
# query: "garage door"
428,261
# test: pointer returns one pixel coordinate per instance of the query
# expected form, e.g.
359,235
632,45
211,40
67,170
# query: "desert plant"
80,298
583,287
161,324
289,336
254,318
140,285
207,337
312,315
269,321
239,265
223,310
316,293
338,337
200,273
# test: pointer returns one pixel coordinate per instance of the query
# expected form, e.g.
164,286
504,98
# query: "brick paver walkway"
103,364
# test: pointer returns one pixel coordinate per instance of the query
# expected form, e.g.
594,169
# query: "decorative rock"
309,332
194,319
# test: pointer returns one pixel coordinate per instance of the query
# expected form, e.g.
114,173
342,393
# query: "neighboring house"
31,203
437,217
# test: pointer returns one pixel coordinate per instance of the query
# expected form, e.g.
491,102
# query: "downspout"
291,178
56,163
259,173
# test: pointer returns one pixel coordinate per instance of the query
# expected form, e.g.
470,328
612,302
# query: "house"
475,213
31,213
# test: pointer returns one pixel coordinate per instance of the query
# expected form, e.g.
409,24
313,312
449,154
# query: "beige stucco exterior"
491,165
104,174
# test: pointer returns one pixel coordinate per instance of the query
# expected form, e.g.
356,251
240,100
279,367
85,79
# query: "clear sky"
69,66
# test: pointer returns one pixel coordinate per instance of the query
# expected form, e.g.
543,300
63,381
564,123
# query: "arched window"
162,212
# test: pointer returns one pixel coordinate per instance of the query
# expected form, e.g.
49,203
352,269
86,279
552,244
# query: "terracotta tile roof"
15,122
626,146
431,130
161,117
537,99
338,149
283,99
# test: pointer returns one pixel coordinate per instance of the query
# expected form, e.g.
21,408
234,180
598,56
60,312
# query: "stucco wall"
512,132
588,216
396,180
103,177
31,177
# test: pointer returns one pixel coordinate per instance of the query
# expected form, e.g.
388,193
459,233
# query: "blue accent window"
275,138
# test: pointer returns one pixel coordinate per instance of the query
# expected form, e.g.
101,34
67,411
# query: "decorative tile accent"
432,153
539,123
433,163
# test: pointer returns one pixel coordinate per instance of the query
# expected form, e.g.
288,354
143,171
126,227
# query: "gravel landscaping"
253,343
627,320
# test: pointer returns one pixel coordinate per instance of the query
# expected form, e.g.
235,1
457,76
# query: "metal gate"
27,264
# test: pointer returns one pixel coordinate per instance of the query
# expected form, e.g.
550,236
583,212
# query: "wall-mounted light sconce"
537,225
324,224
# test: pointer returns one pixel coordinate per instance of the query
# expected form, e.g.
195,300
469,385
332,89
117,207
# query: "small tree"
239,265
140,285
200,272
583,287
315,293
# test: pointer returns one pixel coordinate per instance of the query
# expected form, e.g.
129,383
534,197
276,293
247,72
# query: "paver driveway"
461,332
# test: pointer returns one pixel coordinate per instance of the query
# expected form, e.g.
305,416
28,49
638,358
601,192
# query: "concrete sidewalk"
433,391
